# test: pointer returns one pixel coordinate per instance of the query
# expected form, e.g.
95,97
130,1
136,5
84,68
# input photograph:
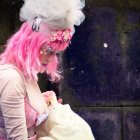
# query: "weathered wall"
101,84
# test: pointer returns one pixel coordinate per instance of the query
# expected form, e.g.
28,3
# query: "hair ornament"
57,14
60,36
36,24
46,49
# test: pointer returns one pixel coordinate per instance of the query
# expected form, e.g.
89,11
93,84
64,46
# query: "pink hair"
22,50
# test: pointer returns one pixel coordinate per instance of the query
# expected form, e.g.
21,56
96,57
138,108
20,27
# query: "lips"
44,65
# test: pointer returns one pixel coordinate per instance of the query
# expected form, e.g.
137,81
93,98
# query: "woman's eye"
51,52
44,50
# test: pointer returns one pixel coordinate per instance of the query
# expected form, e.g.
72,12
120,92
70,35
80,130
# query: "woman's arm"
12,106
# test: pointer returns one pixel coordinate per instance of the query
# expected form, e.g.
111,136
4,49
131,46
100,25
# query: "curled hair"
22,50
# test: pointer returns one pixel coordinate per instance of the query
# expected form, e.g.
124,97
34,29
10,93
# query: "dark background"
101,84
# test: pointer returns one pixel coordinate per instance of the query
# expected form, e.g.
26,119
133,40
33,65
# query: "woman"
47,29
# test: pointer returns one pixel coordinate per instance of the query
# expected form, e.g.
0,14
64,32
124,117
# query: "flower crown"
60,36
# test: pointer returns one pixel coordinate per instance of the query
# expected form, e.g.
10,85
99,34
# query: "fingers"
48,95
60,101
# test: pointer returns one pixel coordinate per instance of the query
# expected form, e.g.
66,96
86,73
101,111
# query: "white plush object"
63,124
58,14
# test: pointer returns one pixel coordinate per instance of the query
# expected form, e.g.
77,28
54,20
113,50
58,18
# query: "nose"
51,57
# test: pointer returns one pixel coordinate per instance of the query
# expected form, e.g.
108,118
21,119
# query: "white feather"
58,14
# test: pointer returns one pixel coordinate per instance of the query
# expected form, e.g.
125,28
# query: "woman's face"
46,56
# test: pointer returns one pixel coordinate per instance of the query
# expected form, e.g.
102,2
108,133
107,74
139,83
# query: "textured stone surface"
46,85
116,4
9,18
104,122
132,123
96,75
1,48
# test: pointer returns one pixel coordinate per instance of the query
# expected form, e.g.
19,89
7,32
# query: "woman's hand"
60,101
48,95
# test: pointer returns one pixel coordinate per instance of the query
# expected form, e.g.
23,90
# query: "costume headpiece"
57,15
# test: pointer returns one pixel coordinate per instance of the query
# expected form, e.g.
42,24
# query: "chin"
42,69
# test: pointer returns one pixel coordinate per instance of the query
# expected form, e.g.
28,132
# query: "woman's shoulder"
11,79
9,71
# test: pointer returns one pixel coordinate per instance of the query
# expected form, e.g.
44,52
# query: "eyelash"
43,51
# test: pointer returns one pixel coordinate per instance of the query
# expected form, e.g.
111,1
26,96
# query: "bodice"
31,114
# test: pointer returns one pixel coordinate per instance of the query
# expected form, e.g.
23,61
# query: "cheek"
43,58
51,58
47,58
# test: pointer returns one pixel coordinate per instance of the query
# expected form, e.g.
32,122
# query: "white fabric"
41,118
64,124
58,14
